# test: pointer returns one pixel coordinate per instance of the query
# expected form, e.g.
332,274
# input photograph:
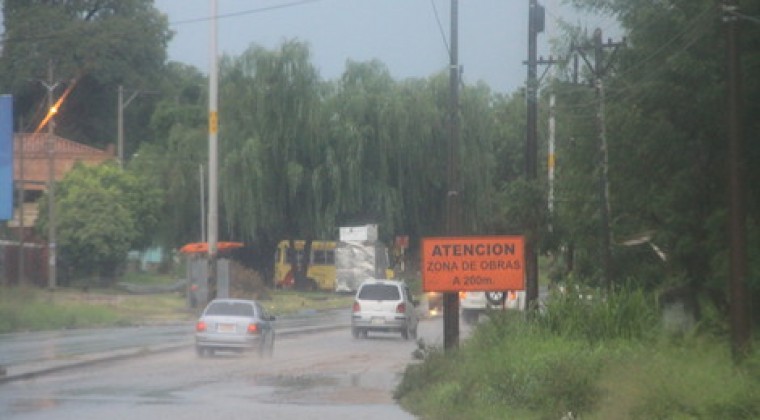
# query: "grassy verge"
597,360
30,309
283,302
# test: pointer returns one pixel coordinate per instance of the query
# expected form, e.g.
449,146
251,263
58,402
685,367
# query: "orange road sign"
473,263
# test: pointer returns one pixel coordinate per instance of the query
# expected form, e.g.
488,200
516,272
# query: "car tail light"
200,326
401,308
253,328
357,307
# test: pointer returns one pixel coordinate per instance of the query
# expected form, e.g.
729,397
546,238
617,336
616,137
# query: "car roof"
229,300
387,282
383,281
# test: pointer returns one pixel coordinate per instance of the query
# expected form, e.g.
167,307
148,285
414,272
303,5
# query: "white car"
472,304
384,306
234,325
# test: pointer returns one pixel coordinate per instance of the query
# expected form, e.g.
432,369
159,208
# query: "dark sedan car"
234,325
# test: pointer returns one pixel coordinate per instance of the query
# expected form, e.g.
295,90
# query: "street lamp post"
121,106
51,180
120,123
213,125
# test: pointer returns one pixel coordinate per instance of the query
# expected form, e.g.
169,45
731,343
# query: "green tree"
667,130
96,44
271,143
173,160
102,212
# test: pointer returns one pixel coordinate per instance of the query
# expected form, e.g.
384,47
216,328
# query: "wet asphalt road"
37,347
322,374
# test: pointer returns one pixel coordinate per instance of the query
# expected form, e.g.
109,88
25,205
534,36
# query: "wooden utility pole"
599,70
535,26
21,229
451,299
738,293
604,182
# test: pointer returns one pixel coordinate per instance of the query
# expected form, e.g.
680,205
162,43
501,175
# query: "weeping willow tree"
275,177
363,136
300,157
270,127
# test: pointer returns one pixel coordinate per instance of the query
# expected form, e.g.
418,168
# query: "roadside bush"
246,283
508,369
690,378
597,358
594,316
24,310
529,368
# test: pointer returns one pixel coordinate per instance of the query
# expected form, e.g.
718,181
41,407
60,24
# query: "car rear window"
230,309
379,292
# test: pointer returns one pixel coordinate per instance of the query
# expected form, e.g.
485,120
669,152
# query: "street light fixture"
122,104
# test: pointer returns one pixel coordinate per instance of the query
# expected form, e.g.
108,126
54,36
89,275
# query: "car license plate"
378,321
225,328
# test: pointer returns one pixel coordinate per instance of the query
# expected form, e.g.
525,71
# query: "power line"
440,27
58,33
733,12
691,26
619,93
245,12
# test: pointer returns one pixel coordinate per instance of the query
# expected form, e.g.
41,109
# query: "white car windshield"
379,292
230,309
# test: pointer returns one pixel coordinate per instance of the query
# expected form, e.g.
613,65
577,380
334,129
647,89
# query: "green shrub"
696,378
508,369
594,316
29,309
599,358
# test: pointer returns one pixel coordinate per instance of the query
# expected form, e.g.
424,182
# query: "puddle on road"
355,388
102,395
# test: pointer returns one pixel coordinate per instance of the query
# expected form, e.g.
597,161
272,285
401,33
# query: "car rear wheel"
267,348
470,316
204,351
405,333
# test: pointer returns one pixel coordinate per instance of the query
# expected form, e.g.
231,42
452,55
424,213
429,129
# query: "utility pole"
51,180
213,128
536,25
203,203
536,15
551,156
120,123
21,198
604,183
451,299
739,306
599,70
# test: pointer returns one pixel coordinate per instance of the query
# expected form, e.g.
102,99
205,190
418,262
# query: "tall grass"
508,369
691,378
602,357
34,310
595,316
31,309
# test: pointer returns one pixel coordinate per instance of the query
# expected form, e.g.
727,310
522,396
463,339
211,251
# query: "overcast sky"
403,34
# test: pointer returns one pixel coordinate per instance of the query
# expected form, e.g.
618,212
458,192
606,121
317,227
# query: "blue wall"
6,157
